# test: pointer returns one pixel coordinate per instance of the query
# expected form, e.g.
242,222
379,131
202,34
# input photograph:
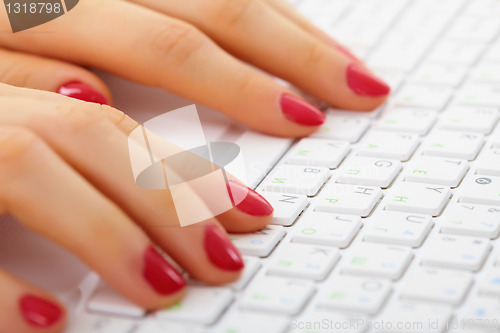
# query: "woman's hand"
65,173
197,49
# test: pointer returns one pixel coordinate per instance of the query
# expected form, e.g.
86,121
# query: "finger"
28,309
30,71
64,207
254,32
156,50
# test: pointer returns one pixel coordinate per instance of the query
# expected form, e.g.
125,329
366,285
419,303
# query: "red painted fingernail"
82,92
247,200
221,251
301,112
164,278
346,52
364,83
39,312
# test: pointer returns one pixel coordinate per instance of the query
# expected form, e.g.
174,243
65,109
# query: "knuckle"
15,73
16,145
175,43
229,13
315,54
78,117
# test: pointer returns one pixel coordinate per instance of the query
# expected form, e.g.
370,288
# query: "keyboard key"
481,29
456,52
398,228
469,119
472,220
457,252
481,189
336,320
496,139
251,322
318,152
489,163
418,198
461,145
343,128
483,8
479,94
303,261
439,74
437,285
394,78
259,243
482,313
377,260
85,323
287,207
497,261
296,179
369,171
493,54
106,300
486,73
327,229
355,294
200,304
436,170
490,285
404,119
252,266
417,317
275,294
390,145
348,199
425,96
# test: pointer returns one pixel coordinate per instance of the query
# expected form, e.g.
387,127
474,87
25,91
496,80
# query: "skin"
200,50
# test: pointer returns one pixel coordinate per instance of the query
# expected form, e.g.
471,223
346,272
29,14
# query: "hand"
197,49
65,173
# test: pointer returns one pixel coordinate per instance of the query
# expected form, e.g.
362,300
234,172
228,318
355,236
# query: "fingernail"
82,92
364,83
301,112
247,200
39,312
221,251
164,278
346,52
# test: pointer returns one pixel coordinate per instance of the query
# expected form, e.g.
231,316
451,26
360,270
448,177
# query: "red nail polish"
301,112
364,83
82,92
248,201
346,52
160,274
39,312
221,251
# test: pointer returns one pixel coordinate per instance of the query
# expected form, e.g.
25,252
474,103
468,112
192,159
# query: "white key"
469,119
479,94
391,145
493,53
483,8
482,312
394,78
259,243
251,322
482,29
106,300
344,128
405,119
490,285
275,294
419,317
369,171
252,266
496,139
398,228
486,73
489,163
200,304
387,261
437,285
85,323
303,261
336,321
327,229
287,207
318,152
481,189
425,96
497,261
349,293
436,170
457,252
445,143
296,179
418,198
456,52
348,199
472,220
439,74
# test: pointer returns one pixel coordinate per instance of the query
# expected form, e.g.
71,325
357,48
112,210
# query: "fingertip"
301,112
84,92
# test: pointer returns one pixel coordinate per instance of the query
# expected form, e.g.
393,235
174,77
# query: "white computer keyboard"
385,221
